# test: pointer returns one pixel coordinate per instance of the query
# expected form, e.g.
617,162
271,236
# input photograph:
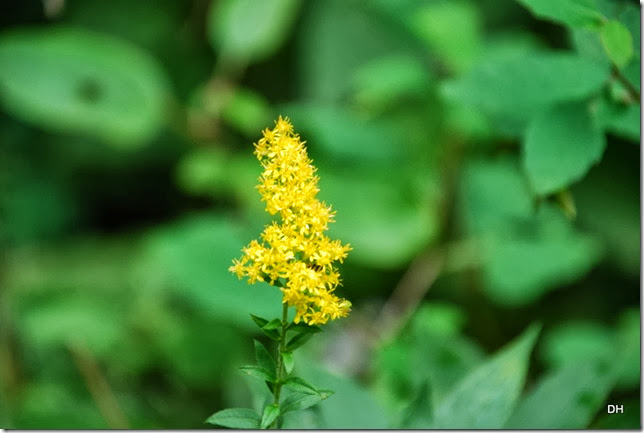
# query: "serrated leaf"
297,341
560,146
263,357
299,401
236,418
271,412
567,398
258,372
289,362
572,13
298,384
304,328
74,80
618,43
485,398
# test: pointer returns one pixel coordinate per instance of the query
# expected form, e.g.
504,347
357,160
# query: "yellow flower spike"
295,249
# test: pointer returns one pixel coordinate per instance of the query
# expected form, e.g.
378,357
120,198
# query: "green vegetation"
482,156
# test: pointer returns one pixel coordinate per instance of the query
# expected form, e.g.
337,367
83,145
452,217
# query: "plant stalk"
280,363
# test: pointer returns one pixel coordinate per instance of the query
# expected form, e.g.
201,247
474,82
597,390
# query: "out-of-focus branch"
409,292
632,90
98,387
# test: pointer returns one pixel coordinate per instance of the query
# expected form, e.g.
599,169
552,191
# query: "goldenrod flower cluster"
294,253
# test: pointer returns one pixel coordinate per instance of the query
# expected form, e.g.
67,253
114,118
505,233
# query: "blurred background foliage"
483,158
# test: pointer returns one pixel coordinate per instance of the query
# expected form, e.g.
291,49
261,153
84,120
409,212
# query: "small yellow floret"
295,252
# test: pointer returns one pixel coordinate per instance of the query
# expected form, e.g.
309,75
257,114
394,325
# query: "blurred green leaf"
524,252
451,29
74,80
61,320
621,120
420,412
386,220
57,405
203,171
560,146
523,85
487,396
627,351
342,134
190,259
238,418
366,411
381,82
412,374
567,398
270,414
575,342
439,319
248,112
485,180
617,42
519,268
569,12
248,31
195,354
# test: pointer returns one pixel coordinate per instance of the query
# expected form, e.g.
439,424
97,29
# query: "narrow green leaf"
299,401
304,328
289,362
298,384
258,372
263,357
560,146
297,341
270,333
236,418
485,398
618,43
271,412
273,324
568,398
273,334
573,13
259,321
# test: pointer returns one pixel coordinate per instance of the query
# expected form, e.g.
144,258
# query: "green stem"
280,363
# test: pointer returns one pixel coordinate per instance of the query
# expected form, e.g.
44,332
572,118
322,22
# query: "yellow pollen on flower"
295,250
